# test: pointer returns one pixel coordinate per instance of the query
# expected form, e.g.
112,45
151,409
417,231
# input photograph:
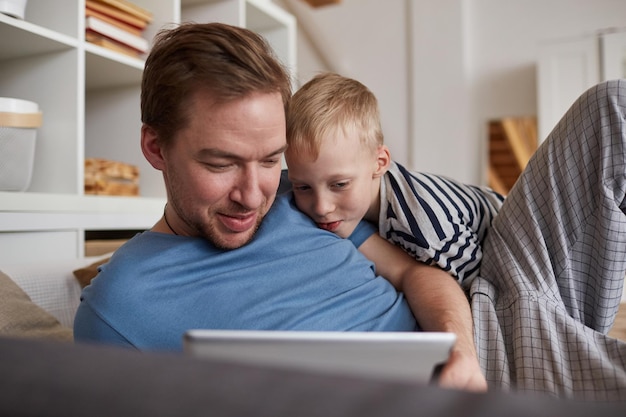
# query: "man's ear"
151,147
383,159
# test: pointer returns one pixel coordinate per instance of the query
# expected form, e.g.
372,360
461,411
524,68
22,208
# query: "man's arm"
89,327
438,304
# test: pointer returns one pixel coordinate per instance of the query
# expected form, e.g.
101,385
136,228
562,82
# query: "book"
107,43
93,24
128,28
130,8
115,13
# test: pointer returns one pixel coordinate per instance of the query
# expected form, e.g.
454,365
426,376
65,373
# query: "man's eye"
216,167
271,162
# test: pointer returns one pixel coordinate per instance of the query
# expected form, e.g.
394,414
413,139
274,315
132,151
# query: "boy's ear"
383,159
151,147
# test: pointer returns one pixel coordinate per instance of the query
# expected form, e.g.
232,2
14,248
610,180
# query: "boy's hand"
462,372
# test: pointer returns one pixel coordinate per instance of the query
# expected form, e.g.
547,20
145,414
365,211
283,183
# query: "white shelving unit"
89,97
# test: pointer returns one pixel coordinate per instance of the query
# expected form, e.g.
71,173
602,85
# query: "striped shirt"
437,220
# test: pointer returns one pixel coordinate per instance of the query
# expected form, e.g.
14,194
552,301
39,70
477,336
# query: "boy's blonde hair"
324,105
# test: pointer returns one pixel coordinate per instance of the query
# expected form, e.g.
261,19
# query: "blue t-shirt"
291,276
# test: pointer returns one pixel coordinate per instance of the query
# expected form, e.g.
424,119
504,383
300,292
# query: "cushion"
20,317
85,274
51,285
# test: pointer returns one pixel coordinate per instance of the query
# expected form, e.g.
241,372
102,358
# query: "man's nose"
247,191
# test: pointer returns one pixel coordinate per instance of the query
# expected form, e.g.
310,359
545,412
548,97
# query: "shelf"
40,211
106,69
72,203
90,100
20,39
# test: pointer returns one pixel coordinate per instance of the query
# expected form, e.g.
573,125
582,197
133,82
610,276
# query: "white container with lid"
14,8
19,120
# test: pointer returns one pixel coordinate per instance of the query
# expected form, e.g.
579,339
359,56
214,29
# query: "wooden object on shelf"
114,33
105,177
319,3
117,23
21,120
114,13
109,44
512,141
102,246
115,26
129,8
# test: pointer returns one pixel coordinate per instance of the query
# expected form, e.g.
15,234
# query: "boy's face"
337,189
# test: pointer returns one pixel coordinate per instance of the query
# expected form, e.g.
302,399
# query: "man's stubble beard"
208,229
209,233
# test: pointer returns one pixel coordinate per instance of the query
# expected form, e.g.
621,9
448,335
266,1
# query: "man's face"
223,169
337,188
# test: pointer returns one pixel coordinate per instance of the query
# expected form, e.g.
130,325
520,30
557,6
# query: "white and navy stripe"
437,220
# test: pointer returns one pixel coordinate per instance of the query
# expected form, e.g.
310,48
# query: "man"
228,253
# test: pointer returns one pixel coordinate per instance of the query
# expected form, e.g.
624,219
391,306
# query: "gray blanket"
555,258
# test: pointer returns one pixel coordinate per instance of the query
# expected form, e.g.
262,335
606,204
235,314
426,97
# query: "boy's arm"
438,304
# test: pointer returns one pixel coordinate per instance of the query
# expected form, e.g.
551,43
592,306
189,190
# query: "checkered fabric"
555,259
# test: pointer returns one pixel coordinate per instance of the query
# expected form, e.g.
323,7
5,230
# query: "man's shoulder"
284,211
288,226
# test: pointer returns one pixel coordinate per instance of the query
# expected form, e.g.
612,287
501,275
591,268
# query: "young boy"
342,172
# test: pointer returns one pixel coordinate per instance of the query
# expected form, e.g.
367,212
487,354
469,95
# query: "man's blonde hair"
329,103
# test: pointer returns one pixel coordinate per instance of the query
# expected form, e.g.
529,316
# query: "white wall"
503,50
366,40
441,69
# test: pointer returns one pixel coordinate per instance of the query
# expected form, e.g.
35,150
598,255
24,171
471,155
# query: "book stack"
117,25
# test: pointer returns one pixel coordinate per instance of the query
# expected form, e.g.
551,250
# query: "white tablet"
400,356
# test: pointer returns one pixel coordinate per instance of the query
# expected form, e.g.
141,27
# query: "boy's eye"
340,185
301,187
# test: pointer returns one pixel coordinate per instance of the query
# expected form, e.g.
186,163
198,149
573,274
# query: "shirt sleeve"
89,327
362,232
437,220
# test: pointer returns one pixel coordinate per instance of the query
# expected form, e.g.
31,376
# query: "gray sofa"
43,373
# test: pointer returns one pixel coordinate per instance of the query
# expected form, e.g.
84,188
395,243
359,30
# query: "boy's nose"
323,206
